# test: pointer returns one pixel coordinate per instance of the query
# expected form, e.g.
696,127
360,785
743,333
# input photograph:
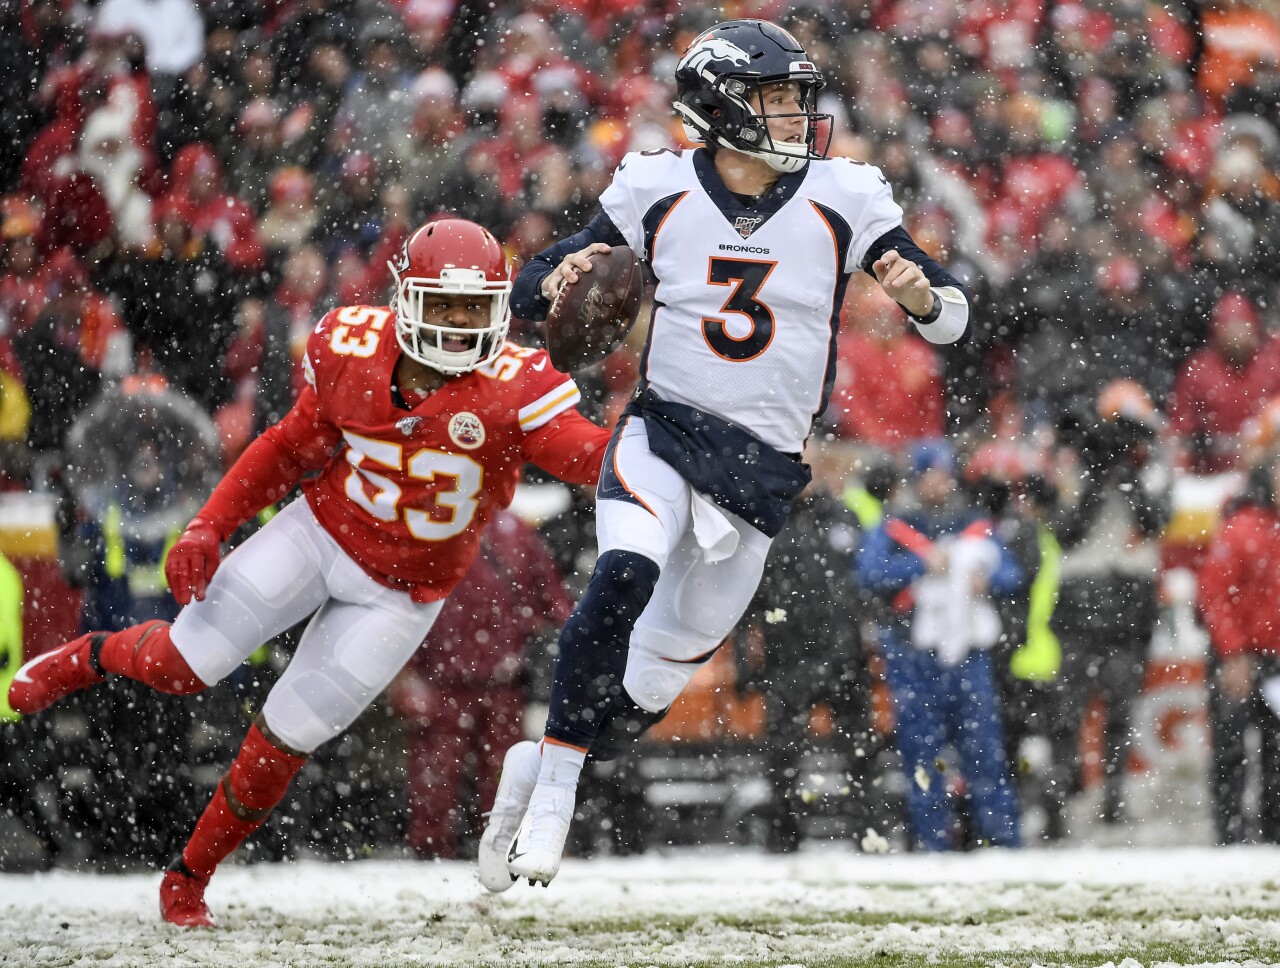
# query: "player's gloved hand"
192,561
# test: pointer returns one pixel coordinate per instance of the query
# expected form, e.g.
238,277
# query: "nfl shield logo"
746,224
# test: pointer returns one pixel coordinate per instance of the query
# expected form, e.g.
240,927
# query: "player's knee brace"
593,646
624,724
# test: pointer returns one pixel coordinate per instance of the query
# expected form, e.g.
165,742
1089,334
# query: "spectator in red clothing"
76,216
196,179
463,692
292,214
1240,605
1224,384
118,165
519,144
888,389
1001,34
72,93
1241,41
22,285
1034,180
302,289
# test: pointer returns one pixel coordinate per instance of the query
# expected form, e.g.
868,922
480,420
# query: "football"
591,317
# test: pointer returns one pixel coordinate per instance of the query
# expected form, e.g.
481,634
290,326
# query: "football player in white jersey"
751,239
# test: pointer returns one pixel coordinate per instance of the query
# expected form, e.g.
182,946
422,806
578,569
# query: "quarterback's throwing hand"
192,561
568,269
905,282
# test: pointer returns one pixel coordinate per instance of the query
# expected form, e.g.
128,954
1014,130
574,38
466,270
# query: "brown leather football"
591,317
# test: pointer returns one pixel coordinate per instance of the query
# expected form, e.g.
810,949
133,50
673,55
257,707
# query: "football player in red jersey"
417,439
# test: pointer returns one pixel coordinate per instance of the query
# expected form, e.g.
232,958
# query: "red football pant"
250,790
146,653
472,733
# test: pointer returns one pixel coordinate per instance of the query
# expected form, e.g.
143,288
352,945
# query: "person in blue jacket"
937,564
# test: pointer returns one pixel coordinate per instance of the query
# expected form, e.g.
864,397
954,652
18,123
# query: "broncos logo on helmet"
703,52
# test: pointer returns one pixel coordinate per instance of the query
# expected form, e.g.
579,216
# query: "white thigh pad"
643,504
710,598
695,605
348,654
270,583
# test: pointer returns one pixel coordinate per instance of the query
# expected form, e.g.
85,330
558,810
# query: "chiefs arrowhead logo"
466,430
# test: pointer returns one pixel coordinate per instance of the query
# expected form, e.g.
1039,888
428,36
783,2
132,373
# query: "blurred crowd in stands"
189,184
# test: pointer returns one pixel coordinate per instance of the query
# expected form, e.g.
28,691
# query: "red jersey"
407,492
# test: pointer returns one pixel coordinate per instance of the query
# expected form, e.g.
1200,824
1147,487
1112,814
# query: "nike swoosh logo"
22,675
539,365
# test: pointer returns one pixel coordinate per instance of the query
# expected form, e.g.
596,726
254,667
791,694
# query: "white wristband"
951,321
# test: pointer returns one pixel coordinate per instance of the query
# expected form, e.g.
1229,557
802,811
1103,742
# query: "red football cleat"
182,898
57,673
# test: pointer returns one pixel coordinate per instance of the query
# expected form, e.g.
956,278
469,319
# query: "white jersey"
748,299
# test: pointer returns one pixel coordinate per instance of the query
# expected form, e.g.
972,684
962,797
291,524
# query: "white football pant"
697,601
362,633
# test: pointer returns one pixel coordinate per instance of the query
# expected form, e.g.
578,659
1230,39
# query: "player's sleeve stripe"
308,371
548,405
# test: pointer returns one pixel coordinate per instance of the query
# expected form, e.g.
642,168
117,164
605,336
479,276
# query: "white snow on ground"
711,905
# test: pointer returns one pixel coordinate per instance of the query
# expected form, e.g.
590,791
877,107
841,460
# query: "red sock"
146,653
256,782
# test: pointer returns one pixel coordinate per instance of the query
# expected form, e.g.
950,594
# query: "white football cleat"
520,768
536,851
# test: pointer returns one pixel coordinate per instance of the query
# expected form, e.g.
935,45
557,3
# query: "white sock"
561,765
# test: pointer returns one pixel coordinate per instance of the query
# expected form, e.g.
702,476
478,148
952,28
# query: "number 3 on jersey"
452,482
747,278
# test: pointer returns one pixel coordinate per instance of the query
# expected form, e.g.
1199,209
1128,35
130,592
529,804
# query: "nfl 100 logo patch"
746,224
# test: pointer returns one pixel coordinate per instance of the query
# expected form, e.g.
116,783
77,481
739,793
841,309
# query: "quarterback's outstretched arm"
949,321
527,301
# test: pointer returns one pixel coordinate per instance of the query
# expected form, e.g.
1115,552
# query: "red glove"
192,561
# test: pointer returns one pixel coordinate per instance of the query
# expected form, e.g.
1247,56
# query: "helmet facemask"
425,341
726,115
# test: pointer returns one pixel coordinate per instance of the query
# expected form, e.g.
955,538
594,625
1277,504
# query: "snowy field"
710,906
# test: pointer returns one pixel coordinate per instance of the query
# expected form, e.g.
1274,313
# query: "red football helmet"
458,258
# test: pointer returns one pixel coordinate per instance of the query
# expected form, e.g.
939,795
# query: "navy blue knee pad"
592,651
624,724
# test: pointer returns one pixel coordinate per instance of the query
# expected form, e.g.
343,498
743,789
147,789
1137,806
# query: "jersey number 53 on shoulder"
353,317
